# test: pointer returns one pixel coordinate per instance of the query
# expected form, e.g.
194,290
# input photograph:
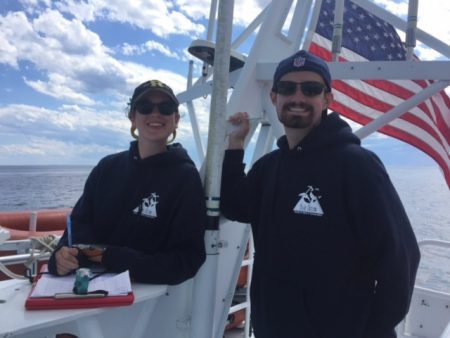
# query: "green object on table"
82,278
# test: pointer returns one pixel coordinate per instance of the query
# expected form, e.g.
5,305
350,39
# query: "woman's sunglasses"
308,88
147,107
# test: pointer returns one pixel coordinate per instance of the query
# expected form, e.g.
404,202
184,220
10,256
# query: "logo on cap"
156,83
299,61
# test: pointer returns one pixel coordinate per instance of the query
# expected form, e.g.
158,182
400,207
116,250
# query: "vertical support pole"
337,29
210,33
193,118
33,222
32,227
410,43
205,282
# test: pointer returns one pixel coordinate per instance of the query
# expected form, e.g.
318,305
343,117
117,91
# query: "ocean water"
426,198
41,187
423,191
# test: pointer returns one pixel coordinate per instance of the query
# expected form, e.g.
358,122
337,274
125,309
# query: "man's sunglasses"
147,107
308,88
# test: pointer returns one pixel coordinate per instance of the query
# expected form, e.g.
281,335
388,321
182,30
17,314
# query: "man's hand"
66,260
241,127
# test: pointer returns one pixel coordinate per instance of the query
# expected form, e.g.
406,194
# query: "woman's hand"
66,260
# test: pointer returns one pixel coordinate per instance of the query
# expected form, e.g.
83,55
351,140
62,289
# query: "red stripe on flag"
381,106
398,134
431,107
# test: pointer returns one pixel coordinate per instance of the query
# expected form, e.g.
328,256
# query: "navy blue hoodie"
149,212
335,254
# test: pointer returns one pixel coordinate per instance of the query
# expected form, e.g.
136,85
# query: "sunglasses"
308,88
147,107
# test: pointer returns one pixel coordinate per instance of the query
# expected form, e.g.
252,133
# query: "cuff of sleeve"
113,260
234,155
372,334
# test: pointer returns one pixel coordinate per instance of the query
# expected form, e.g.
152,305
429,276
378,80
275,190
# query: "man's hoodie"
330,234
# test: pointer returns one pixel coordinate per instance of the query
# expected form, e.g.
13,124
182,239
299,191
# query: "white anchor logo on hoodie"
309,203
148,206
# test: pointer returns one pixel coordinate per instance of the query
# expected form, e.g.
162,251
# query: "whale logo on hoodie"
148,206
309,203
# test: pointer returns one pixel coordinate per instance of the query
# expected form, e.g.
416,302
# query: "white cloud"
128,49
84,11
156,46
41,150
15,31
48,43
76,68
71,134
197,10
70,36
246,11
396,8
69,123
8,52
148,46
57,87
158,16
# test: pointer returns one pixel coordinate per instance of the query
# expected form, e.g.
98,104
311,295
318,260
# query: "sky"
69,67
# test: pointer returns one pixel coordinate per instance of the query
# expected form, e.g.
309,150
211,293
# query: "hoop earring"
174,134
133,132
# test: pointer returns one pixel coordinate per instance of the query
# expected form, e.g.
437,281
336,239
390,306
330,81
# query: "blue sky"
67,69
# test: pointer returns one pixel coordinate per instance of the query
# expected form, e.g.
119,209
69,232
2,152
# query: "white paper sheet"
115,284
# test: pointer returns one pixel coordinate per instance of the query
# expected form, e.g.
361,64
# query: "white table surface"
16,321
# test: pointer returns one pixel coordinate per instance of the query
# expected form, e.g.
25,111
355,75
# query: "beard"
291,120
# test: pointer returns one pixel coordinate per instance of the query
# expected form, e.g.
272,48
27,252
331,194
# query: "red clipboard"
49,303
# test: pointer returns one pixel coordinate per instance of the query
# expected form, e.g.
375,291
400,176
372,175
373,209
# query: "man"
335,254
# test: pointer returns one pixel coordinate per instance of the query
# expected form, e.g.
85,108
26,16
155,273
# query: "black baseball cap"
149,86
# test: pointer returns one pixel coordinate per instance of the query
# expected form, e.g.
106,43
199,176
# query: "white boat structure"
200,308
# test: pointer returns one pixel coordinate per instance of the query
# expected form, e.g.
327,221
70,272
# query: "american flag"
368,38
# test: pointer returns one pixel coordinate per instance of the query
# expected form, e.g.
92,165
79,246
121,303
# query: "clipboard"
52,303
75,302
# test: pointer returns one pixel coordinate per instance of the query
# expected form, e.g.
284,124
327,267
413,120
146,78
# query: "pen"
93,294
69,230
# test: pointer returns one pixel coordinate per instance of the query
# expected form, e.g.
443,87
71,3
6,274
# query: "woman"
145,205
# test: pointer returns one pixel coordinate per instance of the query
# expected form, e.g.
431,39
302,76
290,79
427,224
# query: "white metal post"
337,29
205,282
413,7
193,118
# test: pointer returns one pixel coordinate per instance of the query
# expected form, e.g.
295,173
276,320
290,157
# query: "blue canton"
363,32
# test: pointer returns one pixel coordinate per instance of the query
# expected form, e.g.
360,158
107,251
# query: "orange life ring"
47,219
48,222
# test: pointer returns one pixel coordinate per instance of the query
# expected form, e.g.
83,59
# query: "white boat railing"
26,253
429,312
435,242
